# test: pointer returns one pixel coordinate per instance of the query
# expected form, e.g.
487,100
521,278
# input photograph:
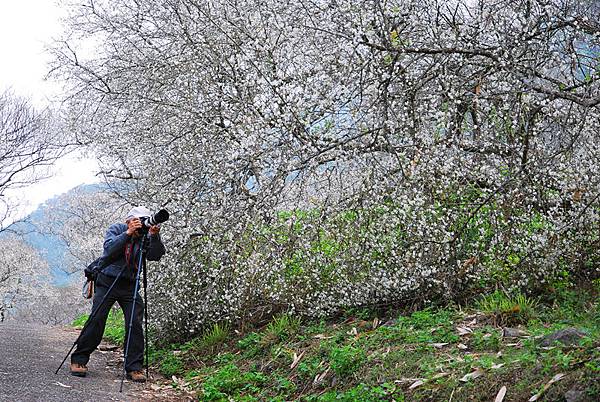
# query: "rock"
107,348
390,323
513,333
567,336
575,394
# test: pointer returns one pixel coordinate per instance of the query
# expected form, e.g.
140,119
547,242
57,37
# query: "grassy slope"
351,359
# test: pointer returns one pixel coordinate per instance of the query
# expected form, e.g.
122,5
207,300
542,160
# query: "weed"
250,344
309,368
486,339
229,381
346,360
281,328
171,364
506,309
215,335
361,392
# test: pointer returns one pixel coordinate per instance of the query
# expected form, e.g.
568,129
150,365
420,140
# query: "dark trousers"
121,293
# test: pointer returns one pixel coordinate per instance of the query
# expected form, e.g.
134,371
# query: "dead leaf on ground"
63,385
472,375
417,383
501,394
353,331
406,380
320,377
554,379
439,345
297,358
464,331
376,323
322,336
462,346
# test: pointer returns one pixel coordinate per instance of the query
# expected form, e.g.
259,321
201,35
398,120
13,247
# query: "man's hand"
154,229
132,227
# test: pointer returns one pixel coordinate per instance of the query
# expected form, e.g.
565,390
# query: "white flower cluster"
335,154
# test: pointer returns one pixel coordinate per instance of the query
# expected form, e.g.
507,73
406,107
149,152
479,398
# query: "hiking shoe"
136,376
79,370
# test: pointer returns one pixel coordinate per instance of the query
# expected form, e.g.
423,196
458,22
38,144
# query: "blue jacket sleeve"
115,240
156,248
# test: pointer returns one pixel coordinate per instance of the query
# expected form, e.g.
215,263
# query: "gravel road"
30,354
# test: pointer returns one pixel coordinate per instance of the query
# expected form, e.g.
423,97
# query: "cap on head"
138,212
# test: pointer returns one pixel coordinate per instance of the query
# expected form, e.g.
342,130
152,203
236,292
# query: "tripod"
140,266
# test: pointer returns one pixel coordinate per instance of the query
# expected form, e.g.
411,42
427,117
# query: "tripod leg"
131,317
146,318
90,319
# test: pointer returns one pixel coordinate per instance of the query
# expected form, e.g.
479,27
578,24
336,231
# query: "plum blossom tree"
336,153
80,219
29,143
24,276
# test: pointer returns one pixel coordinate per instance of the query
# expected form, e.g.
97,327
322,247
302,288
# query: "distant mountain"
52,248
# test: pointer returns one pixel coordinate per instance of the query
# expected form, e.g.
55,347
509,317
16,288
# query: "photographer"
122,244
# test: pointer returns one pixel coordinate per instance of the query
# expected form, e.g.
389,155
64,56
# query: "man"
122,244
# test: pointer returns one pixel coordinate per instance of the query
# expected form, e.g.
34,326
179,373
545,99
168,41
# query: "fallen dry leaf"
554,379
63,385
320,377
405,380
321,336
439,345
462,346
501,394
416,384
472,376
464,331
353,331
297,359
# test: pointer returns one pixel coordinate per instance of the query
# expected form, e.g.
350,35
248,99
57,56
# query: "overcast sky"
25,27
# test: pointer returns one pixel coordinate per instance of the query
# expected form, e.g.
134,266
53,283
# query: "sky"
26,26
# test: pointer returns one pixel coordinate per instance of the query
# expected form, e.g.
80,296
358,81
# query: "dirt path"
30,354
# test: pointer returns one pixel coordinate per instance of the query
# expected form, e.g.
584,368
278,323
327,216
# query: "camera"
148,221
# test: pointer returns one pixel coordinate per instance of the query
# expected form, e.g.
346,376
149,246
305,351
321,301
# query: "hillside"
36,229
509,348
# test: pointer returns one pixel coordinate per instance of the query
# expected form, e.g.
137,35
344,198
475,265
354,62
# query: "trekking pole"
135,291
89,320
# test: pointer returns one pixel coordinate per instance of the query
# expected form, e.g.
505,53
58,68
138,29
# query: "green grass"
346,360
508,309
350,359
